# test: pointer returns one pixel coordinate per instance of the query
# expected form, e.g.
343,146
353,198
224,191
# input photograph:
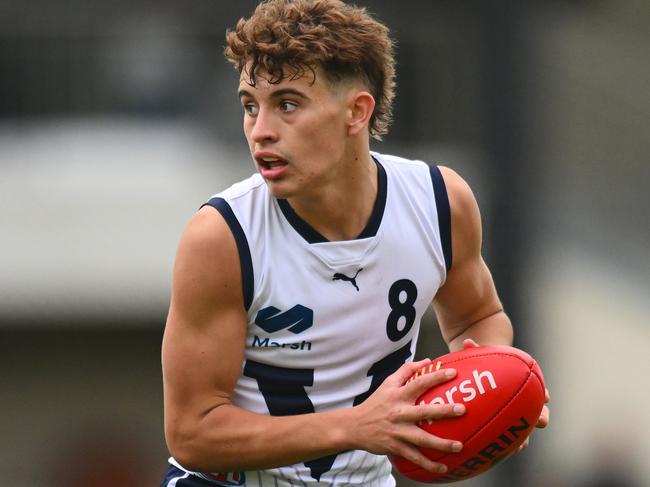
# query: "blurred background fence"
118,119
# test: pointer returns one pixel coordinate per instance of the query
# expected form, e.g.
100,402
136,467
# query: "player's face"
296,132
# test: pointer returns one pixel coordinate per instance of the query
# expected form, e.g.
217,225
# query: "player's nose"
264,128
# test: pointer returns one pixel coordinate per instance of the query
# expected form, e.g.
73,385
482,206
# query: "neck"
341,209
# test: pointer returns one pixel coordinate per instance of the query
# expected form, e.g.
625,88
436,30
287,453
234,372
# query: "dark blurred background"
118,119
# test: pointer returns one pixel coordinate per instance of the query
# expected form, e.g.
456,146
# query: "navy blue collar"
312,236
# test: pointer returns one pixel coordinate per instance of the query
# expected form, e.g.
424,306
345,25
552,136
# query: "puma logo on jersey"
352,280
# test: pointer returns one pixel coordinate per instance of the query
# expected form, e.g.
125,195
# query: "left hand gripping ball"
503,392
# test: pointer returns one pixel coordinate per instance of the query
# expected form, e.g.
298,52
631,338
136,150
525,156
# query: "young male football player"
298,293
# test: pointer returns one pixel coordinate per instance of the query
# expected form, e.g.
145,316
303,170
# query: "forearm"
229,438
495,329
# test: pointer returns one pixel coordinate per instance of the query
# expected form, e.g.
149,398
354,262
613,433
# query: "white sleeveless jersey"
329,321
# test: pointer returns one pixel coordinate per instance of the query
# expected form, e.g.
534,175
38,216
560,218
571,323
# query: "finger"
408,370
430,412
544,418
524,445
547,396
413,455
425,379
423,439
469,343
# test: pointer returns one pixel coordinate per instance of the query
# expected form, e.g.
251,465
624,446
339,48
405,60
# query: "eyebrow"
277,94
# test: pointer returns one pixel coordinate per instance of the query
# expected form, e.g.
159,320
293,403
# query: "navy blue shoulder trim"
245,259
444,212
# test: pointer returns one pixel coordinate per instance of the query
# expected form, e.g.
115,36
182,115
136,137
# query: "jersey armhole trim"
444,212
245,259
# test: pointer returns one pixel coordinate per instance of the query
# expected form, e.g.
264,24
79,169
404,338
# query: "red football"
503,392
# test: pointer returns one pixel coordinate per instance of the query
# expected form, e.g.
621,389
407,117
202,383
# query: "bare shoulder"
465,215
207,274
461,197
206,233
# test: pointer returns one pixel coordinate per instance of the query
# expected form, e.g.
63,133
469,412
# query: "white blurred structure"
91,211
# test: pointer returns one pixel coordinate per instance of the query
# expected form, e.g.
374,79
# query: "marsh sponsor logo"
468,389
267,343
296,320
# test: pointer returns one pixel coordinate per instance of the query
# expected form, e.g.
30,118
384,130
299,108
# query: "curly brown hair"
287,38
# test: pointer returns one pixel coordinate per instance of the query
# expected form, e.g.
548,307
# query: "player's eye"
251,109
288,106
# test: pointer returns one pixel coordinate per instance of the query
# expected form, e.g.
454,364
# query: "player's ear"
360,109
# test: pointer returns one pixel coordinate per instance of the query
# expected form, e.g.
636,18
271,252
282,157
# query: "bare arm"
467,305
203,349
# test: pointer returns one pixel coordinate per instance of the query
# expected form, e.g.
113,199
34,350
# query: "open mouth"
271,166
271,162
